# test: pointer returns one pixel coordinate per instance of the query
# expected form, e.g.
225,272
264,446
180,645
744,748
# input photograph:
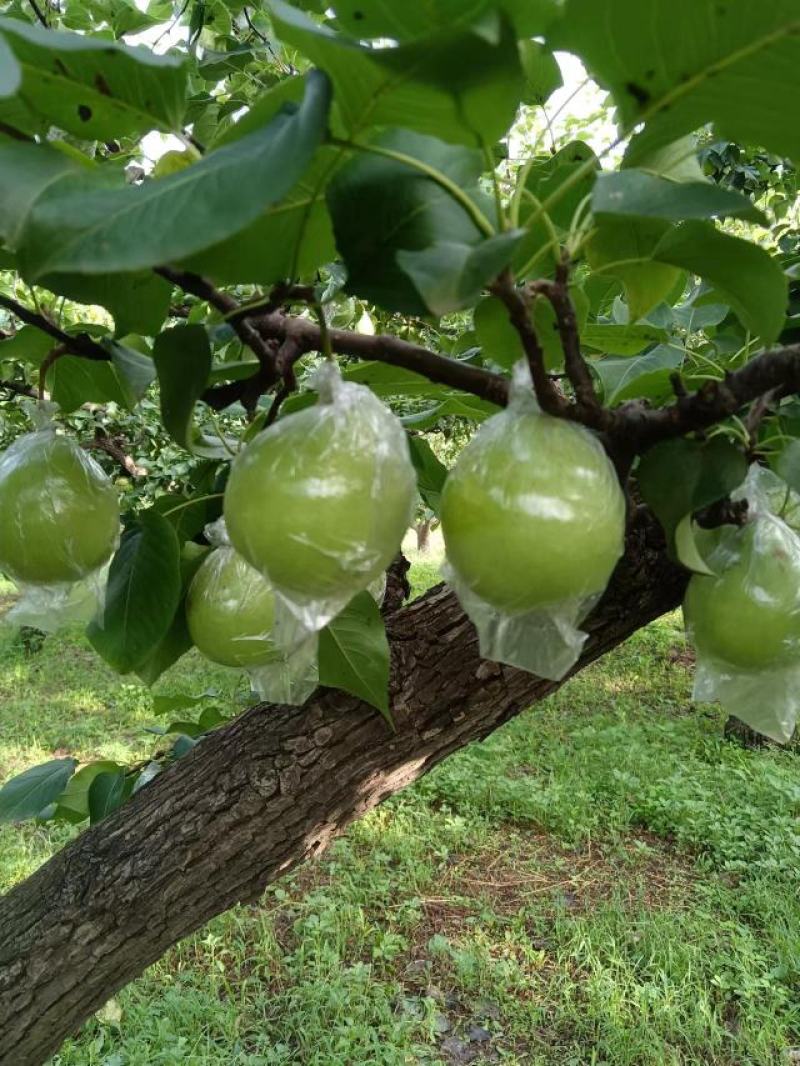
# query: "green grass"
605,881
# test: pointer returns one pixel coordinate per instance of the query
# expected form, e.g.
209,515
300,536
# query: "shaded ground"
604,881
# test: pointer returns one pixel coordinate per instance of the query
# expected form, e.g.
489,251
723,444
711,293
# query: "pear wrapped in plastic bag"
533,519
59,526
744,618
230,612
319,503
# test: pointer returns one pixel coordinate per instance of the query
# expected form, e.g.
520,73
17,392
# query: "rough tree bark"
261,795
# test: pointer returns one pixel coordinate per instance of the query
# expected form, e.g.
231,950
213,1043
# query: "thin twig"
77,344
550,399
39,14
557,292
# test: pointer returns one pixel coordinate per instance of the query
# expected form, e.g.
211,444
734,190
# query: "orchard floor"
605,881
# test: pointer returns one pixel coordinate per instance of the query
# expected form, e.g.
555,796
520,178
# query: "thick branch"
715,401
261,795
305,336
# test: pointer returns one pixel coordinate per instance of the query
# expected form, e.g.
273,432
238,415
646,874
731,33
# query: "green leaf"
27,794
679,477
462,86
745,275
182,357
135,372
107,792
94,88
177,640
421,18
625,248
553,189
75,797
26,172
613,339
687,550
678,64
634,192
497,337
163,704
408,212
290,239
387,380
431,474
542,72
143,593
406,21
10,71
788,465
645,376
138,302
74,381
676,160
28,345
451,275
72,228
354,653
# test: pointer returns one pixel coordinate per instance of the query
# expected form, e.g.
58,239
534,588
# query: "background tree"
348,180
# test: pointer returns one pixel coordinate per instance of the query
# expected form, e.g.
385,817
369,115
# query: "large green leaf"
678,64
143,593
497,337
26,172
645,376
386,380
10,71
138,302
463,86
74,381
407,211
431,473
635,192
177,640
75,797
27,794
679,477
613,339
451,275
107,792
94,88
182,356
290,239
421,18
552,190
73,228
354,653
624,248
542,72
744,274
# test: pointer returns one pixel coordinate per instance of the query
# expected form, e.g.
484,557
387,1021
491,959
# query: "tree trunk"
261,795
423,531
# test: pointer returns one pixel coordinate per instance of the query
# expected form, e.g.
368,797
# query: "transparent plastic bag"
230,610
744,621
320,501
533,518
59,527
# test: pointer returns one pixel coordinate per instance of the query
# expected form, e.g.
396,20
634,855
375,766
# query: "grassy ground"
605,881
